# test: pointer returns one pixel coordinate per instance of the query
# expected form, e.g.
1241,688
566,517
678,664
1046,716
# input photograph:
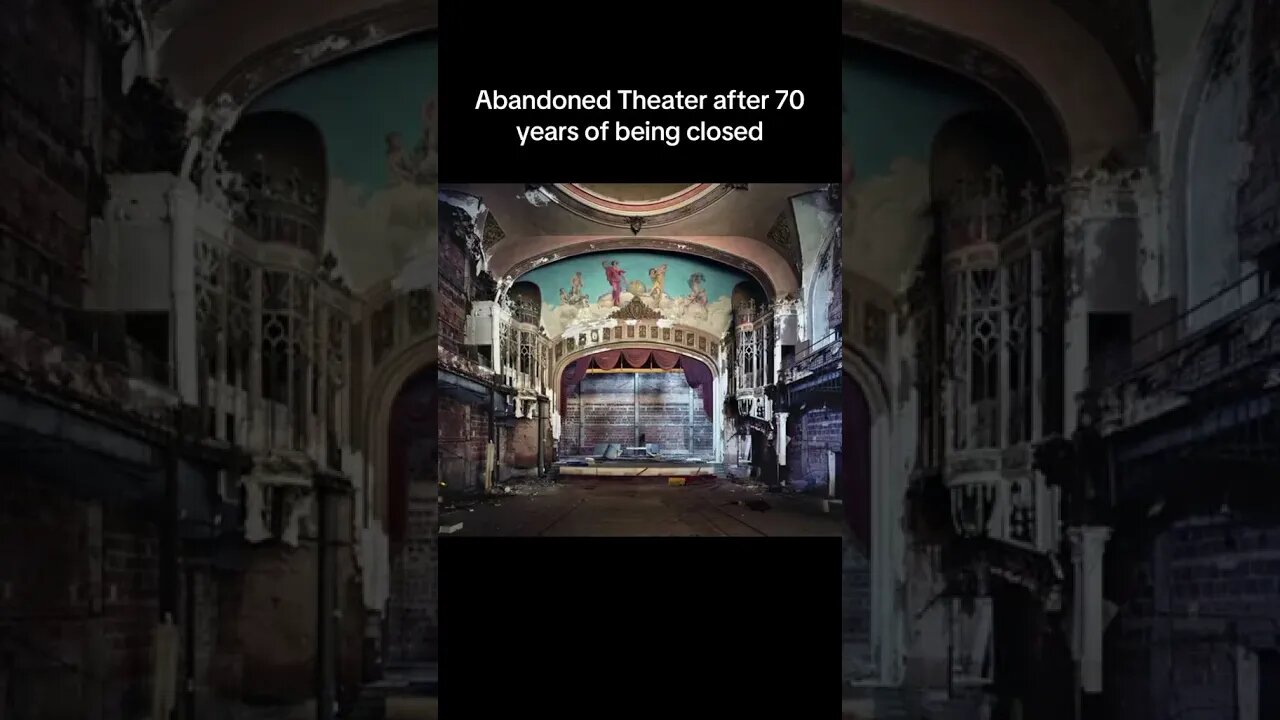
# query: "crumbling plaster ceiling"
735,226
1053,71
750,212
244,47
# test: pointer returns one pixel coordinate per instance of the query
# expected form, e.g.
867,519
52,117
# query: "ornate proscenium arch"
517,256
1029,52
873,500
412,347
563,363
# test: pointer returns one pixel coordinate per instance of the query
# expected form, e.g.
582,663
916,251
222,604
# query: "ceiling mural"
893,108
378,123
596,287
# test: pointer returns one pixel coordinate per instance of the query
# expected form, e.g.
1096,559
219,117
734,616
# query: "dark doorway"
1269,684
412,527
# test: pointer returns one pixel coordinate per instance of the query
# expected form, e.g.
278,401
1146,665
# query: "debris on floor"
449,529
531,486
757,505
675,482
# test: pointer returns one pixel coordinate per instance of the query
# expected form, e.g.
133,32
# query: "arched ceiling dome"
636,197
617,203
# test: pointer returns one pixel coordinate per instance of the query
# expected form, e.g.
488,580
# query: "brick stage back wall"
619,407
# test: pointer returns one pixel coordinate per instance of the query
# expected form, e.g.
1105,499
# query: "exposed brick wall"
41,612
464,435
1205,586
78,602
130,578
812,435
277,623
522,446
619,407
43,175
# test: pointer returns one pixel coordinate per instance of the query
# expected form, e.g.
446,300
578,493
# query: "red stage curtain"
696,373
607,360
571,377
637,357
699,375
666,360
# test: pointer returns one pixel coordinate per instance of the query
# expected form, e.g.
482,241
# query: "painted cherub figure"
659,276
399,166
575,296
697,293
426,154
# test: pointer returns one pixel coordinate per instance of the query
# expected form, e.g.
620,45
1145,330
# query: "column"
224,400
776,342
321,369
185,370
495,338
258,425
1087,547
1101,210
780,421
718,386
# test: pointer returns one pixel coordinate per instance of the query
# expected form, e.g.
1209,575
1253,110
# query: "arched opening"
638,397
526,303
282,182
969,147
748,295
412,526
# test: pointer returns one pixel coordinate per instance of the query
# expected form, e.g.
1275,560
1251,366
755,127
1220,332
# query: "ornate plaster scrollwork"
636,310
1099,193
206,126
504,285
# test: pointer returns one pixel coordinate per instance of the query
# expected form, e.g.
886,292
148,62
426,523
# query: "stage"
627,468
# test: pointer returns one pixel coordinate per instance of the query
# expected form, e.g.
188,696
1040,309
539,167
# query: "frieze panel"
684,338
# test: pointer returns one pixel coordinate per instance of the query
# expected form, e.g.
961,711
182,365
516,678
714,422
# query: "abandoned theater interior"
1061,347
216,331
1023,359
643,333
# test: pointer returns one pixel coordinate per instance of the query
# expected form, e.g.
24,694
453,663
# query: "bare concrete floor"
644,508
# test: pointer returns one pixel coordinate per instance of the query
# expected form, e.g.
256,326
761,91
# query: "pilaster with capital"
1100,208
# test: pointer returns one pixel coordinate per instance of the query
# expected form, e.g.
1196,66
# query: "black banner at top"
659,91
